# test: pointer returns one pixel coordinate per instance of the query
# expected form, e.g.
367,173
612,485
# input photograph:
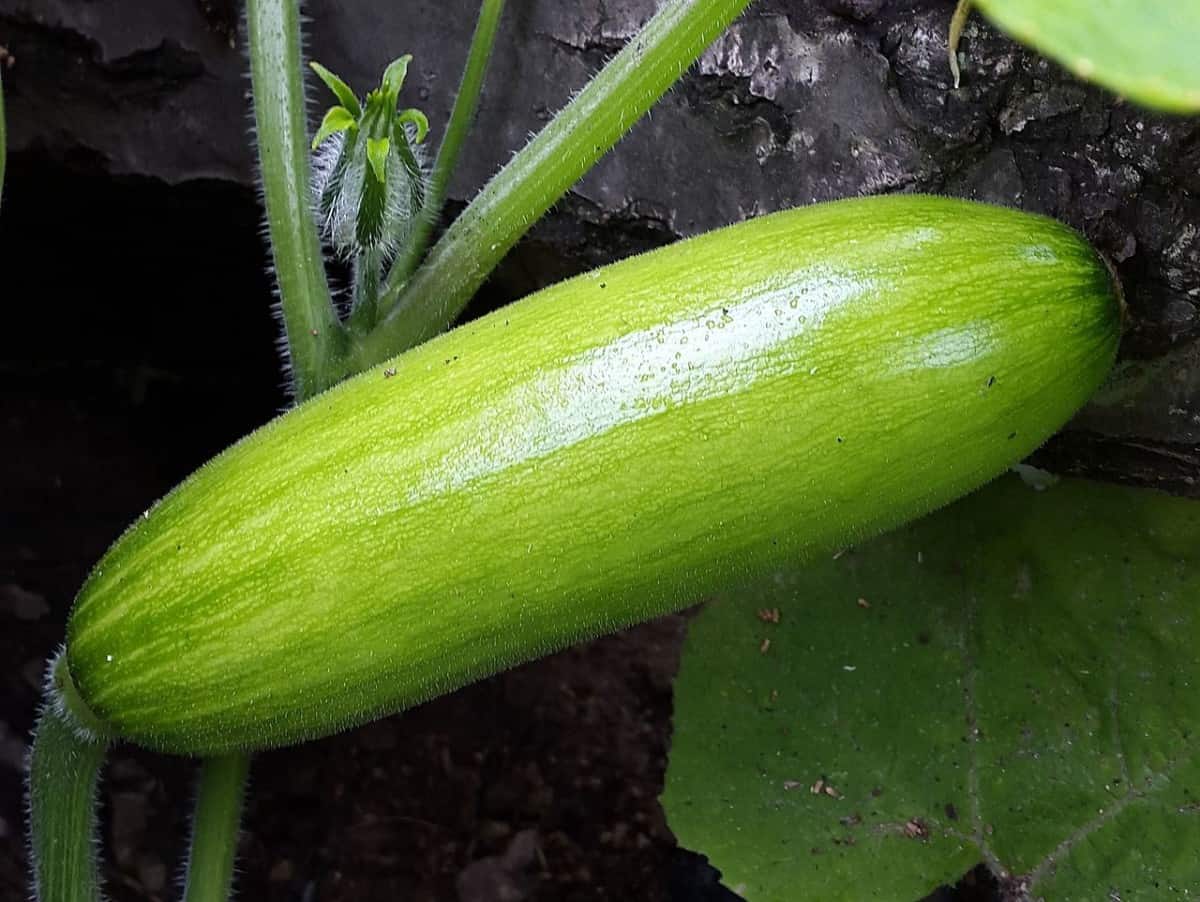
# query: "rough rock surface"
801,101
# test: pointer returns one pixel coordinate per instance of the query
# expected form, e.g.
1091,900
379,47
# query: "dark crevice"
156,67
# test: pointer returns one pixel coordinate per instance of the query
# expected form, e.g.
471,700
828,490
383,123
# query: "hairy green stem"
316,341
215,828
368,270
466,102
64,773
542,172
316,338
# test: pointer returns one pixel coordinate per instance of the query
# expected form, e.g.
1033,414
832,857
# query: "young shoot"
370,177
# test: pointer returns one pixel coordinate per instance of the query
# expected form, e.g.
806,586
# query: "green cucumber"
607,450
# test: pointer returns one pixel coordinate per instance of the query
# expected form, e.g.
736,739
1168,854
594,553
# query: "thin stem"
215,828
958,22
542,172
64,773
315,336
466,103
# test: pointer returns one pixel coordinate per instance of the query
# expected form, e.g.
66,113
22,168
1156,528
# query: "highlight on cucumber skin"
851,366
311,561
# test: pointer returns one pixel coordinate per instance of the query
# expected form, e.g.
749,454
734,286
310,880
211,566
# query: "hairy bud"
369,172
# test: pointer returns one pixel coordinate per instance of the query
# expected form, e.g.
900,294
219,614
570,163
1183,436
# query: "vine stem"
316,339
65,762
541,173
958,22
466,103
209,876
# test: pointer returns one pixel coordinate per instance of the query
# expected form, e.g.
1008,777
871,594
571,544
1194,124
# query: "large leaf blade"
1146,51
1017,685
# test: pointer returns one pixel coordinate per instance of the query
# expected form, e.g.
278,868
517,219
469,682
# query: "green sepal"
340,89
394,75
337,176
371,224
418,119
377,154
416,180
338,119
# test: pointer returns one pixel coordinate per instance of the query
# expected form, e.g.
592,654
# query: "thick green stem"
466,102
215,828
64,772
368,270
316,339
542,172
316,342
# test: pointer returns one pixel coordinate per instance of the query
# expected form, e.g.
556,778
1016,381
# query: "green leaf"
371,219
394,75
1012,680
340,89
418,119
338,119
377,154
1149,52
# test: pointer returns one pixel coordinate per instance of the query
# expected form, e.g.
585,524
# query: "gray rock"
800,101
501,878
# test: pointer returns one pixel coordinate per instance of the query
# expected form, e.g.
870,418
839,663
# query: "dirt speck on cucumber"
594,457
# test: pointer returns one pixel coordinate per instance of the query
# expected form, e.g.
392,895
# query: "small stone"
128,824
491,831
522,851
500,878
152,874
22,604
33,672
12,749
281,871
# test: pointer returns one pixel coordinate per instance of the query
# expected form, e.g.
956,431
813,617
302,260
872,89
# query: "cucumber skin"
607,450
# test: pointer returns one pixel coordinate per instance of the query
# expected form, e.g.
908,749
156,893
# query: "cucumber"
609,449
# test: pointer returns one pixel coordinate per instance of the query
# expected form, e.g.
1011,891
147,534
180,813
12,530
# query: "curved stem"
215,828
542,172
315,336
466,102
64,773
958,22
316,340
